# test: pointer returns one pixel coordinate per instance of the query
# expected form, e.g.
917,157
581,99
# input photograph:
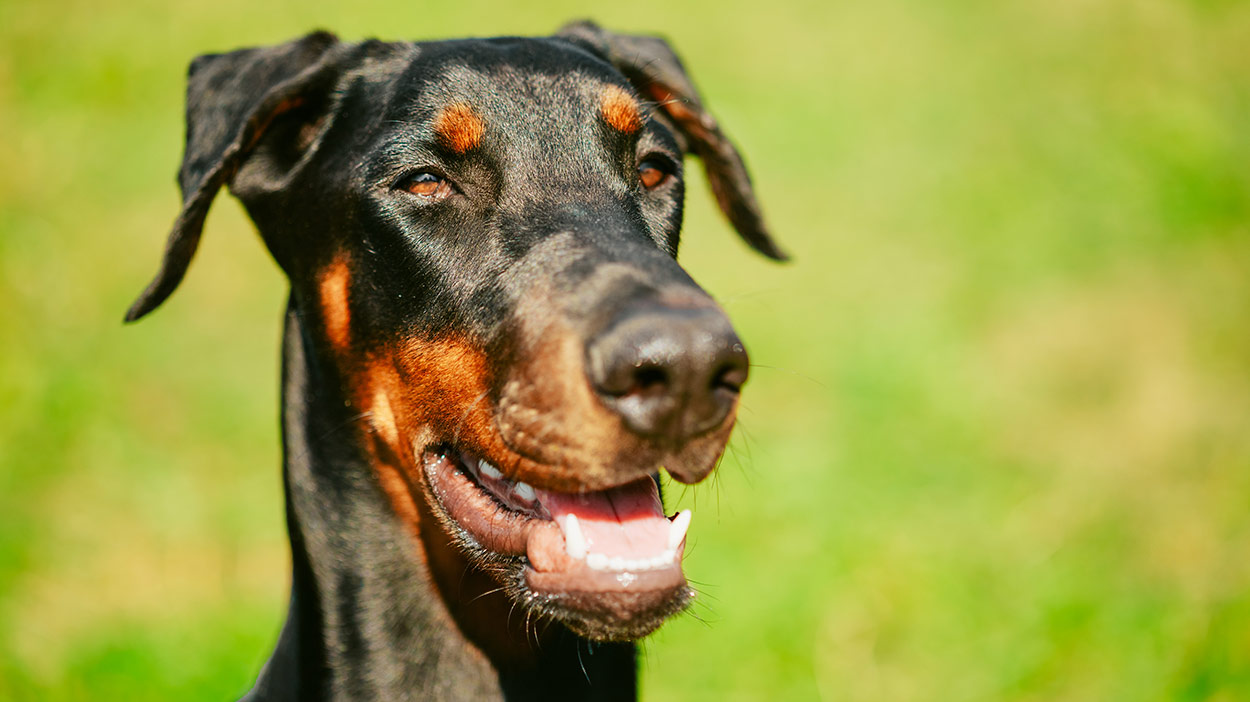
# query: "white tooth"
489,471
667,557
616,563
677,531
524,491
574,540
597,561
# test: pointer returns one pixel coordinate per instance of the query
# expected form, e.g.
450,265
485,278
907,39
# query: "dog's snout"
670,373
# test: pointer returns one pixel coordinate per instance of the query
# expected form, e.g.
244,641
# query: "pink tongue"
626,521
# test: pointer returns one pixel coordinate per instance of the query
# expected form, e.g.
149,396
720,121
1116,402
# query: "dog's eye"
653,171
426,185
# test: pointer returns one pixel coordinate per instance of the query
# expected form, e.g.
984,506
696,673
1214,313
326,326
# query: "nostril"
730,376
649,379
731,372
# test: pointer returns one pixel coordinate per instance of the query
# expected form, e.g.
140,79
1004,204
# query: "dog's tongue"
626,522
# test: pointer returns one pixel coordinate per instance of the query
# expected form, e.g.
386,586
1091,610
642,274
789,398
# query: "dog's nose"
670,373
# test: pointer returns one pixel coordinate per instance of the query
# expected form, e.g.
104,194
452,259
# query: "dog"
489,348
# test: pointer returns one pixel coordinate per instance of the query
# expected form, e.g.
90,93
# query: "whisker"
578,647
484,594
790,371
464,417
306,450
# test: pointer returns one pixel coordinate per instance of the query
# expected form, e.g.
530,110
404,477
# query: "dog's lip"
637,592
489,524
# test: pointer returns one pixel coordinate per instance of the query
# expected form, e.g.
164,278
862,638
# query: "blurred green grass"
996,445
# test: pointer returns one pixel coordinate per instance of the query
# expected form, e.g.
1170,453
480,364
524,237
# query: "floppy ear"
231,100
656,72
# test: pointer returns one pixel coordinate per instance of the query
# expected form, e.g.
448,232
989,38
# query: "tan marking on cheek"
446,377
401,497
459,127
445,386
383,419
333,289
620,110
377,385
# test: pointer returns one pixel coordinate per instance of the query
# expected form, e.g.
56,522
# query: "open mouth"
606,563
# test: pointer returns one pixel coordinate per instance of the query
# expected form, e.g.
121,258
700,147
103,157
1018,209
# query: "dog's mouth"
606,563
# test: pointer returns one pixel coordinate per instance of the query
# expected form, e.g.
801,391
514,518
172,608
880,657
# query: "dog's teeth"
489,471
574,540
524,491
677,530
600,561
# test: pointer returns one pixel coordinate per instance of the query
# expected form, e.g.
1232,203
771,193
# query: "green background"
996,444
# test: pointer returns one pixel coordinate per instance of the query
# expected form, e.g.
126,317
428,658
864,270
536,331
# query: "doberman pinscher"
489,348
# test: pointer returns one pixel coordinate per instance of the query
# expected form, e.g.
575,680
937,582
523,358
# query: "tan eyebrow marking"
620,110
459,127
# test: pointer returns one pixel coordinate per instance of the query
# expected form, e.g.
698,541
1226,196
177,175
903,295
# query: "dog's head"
480,238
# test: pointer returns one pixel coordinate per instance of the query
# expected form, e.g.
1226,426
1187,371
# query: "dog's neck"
365,619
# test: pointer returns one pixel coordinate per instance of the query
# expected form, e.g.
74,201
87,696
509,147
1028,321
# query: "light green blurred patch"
996,444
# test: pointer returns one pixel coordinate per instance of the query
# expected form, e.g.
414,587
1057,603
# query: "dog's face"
480,237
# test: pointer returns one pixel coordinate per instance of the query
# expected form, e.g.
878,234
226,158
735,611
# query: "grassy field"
996,445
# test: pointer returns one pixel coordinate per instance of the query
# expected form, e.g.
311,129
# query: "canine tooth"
524,491
597,561
489,471
677,531
574,540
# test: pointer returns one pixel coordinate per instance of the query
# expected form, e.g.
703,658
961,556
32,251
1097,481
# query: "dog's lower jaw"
366,620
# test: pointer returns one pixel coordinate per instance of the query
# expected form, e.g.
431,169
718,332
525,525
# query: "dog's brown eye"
652,172
427,185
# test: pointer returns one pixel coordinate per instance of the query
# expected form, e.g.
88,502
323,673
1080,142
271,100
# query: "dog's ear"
232,99
655,71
